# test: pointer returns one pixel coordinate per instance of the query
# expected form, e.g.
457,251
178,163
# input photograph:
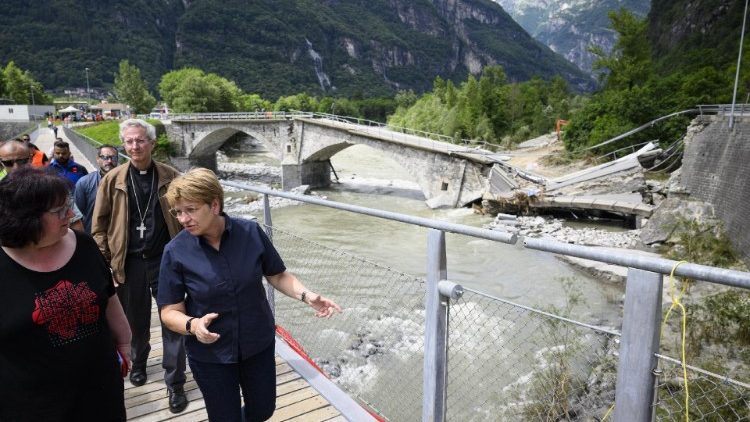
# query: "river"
368,179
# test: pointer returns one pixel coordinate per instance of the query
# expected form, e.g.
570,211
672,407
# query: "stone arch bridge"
449,175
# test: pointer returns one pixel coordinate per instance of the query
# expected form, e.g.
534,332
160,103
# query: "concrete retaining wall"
716,169
10,130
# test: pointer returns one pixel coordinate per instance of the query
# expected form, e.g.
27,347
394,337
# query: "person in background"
211,290
14,155
85,192
64,164
131,224
38,158
62,330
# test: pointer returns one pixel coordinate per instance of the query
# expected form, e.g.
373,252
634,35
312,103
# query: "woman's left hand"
324,307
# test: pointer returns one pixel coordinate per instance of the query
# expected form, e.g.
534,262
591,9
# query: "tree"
629,63
189,90
254,102
298,102
18,85
131,89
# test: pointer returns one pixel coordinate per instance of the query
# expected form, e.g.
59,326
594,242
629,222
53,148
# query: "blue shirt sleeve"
271,260
80,193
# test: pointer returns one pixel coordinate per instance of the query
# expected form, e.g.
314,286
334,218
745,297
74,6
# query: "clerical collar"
142,172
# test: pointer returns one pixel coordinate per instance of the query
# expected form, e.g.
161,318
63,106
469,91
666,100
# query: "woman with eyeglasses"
211,291
64,339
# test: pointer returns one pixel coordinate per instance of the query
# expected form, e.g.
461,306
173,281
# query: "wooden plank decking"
296,399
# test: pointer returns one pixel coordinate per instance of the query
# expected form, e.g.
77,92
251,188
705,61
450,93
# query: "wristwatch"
187,326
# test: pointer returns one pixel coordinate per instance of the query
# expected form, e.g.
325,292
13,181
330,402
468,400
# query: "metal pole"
31,89
436,317
88,91
737,73
639,343
269,232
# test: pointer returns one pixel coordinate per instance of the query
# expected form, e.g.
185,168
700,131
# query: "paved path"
45,138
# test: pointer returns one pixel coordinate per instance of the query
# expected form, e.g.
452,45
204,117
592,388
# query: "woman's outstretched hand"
324,307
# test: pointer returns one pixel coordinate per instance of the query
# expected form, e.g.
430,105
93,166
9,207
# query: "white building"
24,112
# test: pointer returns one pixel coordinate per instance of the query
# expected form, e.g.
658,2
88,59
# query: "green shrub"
702,243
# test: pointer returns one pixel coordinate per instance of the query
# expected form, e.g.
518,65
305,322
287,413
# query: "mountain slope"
691,34
570,27
275,47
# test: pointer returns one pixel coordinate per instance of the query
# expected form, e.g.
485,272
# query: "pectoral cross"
141,228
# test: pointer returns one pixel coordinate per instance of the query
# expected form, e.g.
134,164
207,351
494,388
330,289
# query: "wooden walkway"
296,399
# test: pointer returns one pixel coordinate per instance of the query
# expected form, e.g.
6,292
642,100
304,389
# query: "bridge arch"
304,147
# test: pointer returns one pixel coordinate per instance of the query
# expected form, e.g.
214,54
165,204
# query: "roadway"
44,139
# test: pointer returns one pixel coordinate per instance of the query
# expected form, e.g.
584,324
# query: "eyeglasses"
19,161
62,211
139,142
108,157
189,211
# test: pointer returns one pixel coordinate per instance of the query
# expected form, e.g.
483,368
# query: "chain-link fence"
711,397
510,362
505,361
374,349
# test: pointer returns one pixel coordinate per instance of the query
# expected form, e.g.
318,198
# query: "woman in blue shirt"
210,289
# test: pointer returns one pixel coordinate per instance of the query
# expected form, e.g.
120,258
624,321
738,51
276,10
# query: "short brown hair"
196,185
25,195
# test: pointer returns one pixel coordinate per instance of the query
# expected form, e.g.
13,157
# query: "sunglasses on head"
19,161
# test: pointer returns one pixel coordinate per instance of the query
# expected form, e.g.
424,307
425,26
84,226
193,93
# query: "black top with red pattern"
54,337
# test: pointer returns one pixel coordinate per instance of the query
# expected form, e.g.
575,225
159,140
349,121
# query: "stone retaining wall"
716,169
9,130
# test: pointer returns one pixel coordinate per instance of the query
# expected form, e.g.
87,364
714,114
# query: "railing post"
634,394
269,232
436,318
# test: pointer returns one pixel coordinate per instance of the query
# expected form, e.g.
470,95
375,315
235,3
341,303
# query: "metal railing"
724,109
630,149
460,354
251,115
719,109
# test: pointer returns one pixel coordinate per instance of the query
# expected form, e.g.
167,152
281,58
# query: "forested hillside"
684,54
275,47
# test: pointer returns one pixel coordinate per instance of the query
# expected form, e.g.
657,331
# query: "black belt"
144,256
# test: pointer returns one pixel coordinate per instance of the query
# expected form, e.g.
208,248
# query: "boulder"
663,224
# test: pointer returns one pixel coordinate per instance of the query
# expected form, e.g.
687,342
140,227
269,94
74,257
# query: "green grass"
108,132
105,132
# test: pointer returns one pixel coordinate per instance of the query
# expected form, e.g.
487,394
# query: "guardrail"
724,109
462,328
720,109
255,115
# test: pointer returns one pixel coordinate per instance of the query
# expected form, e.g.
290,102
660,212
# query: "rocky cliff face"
571,27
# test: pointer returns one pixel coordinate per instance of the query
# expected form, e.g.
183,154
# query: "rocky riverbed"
556,229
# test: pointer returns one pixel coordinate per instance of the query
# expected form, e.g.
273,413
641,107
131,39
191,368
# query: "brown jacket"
110,219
